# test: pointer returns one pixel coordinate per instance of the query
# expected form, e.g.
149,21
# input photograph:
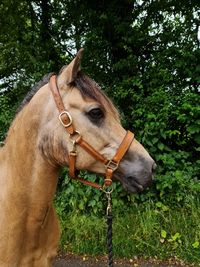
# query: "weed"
149,229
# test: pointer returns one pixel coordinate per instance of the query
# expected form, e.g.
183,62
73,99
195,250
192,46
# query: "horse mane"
87,87
33,91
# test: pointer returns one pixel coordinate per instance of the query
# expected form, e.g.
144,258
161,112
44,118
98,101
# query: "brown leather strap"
72,164
75,137
93,152
124,146
113,164
72,170
64,116
109,176
65,119
85,182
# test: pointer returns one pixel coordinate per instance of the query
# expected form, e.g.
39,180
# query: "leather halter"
75,137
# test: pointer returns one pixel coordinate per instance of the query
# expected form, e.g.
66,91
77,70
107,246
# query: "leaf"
81,205
197,138
163,234
161,146
159,204
176,236
195,244
92,203
155,140
193,128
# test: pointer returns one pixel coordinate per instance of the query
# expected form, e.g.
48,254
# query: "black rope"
109,228
109,238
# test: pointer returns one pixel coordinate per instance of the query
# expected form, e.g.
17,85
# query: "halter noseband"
76,139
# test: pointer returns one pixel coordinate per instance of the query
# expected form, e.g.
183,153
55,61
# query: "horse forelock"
89,88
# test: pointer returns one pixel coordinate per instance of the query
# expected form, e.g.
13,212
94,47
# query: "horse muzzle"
138,180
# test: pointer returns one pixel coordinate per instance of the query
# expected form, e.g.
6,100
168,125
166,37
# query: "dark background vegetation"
145,55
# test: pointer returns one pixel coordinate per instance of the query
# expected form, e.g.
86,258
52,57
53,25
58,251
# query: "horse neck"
27,169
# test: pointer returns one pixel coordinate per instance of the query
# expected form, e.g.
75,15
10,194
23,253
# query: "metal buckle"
112,165
72,137
69,117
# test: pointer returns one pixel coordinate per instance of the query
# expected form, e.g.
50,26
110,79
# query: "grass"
146,230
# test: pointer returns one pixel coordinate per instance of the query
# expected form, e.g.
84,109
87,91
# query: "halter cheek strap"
76,139
113,164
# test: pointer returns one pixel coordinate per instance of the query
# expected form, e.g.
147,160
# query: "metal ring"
74,141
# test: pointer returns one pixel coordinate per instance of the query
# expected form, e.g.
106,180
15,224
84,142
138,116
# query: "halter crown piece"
111,165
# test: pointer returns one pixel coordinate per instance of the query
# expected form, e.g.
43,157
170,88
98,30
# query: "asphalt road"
75,263
78,261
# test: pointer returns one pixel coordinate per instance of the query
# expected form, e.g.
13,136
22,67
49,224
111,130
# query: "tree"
143,53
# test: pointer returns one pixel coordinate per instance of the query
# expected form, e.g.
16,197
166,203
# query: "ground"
71,260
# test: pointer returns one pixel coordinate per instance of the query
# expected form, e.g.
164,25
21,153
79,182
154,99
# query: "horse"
64,119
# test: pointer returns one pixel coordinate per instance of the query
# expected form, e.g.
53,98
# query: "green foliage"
7,109
145,54
73,196
148,230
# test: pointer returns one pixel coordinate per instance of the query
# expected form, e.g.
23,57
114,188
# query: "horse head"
97,121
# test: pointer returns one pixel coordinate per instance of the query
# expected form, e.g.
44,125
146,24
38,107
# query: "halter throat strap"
76,139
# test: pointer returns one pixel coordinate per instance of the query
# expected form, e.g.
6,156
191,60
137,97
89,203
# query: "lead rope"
109,228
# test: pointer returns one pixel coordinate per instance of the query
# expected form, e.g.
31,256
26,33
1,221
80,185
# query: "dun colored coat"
37,146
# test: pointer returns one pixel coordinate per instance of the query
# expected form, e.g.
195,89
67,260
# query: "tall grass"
147,230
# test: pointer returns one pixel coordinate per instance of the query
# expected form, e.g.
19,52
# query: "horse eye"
95,114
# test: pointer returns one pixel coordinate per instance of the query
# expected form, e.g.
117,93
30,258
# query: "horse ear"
69,72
